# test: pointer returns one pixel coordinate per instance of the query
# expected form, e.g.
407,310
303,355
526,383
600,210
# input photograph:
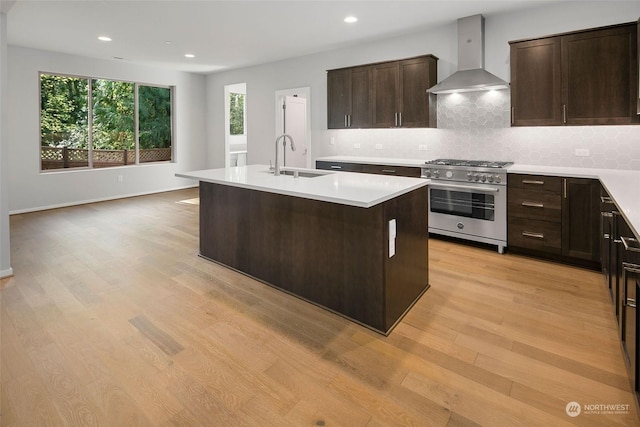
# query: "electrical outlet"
332,140
422,147
378,146
356,145
120,178
582,152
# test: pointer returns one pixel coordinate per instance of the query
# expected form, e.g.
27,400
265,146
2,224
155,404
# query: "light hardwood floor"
112,319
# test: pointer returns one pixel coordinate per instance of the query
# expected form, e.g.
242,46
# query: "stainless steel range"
468,199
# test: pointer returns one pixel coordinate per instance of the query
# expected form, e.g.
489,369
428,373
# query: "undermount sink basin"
301,174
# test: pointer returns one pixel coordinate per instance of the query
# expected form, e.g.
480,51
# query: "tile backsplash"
476,125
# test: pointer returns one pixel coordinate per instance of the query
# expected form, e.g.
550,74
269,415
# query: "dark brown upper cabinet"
587,77
349,98
386,94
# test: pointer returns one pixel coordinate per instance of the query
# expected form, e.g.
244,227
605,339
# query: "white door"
293,118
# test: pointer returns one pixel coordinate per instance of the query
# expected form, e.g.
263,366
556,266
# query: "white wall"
5,253
519,145
29,189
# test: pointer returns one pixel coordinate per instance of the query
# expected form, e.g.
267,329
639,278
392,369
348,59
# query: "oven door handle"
466,187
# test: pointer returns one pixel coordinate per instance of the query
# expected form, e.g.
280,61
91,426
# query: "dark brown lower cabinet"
580,219
410,171
339,166
606,240
333,255
621,268
555,217
630,283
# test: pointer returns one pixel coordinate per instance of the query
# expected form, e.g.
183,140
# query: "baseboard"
103,199
6,273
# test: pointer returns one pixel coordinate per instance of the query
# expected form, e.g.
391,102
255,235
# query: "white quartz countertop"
622,185
347,188
373,160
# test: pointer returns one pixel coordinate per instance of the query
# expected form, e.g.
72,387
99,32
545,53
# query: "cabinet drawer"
339,166
534,204
393,170
534,234
537,182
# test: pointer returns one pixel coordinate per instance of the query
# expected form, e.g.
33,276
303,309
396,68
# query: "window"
96,123
236,113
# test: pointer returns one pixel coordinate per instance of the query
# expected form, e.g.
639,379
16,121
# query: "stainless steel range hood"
471,75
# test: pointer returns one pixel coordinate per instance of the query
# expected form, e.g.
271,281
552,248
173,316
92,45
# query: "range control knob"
436,173
483,177
490,178
427,172
449,174
497,178
469,176
476,177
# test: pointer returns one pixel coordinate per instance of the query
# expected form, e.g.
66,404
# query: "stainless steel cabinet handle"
564,187
345,121
533,235
631,303
564,113
513,115
630,244
400,114
606,200
533,205
396,118
606,214
630,267
349,119
532,182
336,167
388,171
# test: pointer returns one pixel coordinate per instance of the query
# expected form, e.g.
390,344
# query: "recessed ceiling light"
104,38
350,19
189,55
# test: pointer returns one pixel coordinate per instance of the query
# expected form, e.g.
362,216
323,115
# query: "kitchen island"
355,244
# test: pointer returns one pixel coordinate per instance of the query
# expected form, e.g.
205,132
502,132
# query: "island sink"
301,173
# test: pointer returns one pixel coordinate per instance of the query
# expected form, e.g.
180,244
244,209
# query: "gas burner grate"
469,163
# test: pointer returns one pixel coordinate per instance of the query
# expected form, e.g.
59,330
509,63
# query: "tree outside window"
236,113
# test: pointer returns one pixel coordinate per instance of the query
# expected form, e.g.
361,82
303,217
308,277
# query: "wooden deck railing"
60,158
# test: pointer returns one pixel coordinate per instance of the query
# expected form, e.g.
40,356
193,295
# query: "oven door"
475,211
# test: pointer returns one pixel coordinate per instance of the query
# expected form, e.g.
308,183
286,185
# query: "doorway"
293,117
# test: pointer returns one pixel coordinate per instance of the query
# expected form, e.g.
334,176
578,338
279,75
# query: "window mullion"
90,123
136,125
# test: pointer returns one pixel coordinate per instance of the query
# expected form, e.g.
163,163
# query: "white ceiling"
224,34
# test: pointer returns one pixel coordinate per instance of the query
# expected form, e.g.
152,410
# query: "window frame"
136,130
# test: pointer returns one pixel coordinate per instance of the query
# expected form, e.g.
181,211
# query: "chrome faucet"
282,137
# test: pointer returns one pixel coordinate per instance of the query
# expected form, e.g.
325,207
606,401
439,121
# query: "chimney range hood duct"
471,75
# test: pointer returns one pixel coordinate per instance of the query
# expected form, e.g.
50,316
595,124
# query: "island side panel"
407,272
364,247
224,231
